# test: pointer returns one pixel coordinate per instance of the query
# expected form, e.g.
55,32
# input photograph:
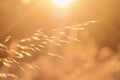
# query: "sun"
62,3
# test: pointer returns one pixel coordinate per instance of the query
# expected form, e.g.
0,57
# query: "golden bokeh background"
22,15
94,57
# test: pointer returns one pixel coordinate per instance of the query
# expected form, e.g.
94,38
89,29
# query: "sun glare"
62,3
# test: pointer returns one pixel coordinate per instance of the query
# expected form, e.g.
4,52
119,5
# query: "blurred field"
92,52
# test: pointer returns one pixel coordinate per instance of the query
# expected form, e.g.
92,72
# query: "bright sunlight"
62,3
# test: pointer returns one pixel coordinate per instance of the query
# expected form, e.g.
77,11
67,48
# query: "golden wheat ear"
7,38
26,50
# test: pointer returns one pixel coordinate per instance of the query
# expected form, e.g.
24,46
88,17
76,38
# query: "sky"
16,17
